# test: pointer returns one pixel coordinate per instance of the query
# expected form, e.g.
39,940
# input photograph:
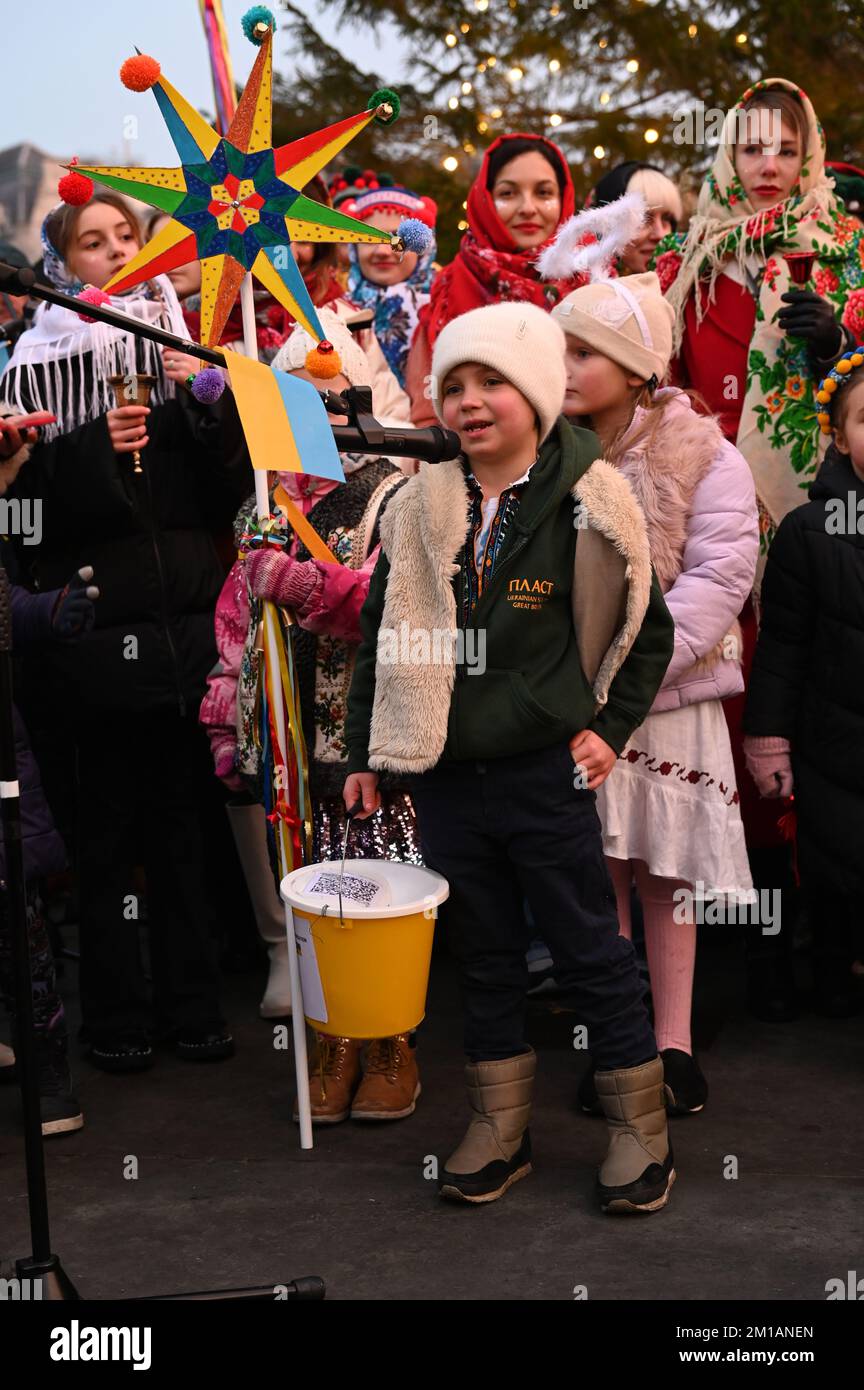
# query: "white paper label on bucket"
356,888
310,976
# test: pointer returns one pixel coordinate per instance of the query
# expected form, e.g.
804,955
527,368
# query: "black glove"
808,316
74,614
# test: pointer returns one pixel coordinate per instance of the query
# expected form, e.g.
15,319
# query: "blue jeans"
517,828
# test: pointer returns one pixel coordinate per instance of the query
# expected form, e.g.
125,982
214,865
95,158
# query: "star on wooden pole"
236,202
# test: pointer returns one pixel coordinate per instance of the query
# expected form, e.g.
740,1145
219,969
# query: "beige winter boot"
637,1172
250,836
496,1150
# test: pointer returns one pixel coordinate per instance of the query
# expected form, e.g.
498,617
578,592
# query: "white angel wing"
614,225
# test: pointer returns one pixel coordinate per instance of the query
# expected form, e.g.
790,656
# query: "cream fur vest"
422,533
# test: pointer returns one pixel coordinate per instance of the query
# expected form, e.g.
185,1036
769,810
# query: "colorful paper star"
235,203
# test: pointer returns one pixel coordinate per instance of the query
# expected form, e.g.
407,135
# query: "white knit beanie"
626,319
518,340
355,364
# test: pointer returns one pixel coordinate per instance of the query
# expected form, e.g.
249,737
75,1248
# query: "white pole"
250,343
271,656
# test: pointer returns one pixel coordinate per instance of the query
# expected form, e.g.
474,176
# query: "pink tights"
670,946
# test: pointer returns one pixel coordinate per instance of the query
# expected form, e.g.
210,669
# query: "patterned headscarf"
489,267
62,364
397,307
778,433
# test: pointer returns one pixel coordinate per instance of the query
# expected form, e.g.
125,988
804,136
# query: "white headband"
621,289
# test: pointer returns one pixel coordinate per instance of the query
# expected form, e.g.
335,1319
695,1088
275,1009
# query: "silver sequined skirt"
390,834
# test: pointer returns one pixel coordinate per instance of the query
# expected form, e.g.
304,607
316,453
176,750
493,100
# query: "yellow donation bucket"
364,943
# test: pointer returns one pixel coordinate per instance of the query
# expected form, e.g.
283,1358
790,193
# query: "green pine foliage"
601,103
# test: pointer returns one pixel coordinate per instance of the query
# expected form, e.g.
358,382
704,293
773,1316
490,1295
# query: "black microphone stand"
363,434
41,1264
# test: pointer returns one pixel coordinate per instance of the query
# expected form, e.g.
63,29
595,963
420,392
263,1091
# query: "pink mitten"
274,575
224,751
769,765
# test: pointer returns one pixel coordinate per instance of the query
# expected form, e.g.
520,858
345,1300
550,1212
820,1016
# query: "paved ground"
225,1197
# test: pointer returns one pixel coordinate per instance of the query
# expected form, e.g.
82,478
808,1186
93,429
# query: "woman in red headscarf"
518,201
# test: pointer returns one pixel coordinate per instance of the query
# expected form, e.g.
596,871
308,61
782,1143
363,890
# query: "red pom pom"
75,189
369,174
359,183
140,73
374,184
91,295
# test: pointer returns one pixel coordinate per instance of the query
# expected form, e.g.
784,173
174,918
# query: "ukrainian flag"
284,420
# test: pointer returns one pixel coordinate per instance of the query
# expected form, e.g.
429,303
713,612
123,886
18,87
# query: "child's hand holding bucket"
362,787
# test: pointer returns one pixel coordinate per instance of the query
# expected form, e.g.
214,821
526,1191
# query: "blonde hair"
657,190
642,397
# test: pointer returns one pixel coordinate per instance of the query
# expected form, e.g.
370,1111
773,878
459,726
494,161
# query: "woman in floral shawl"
752,345
727,278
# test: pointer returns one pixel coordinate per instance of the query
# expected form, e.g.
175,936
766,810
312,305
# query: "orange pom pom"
140,73
323,362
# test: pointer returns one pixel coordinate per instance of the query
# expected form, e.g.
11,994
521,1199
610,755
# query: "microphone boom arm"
362,435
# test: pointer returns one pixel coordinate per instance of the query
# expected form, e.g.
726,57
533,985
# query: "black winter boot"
61,1113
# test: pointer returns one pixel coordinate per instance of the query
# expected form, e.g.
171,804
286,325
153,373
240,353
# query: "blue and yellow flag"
284,420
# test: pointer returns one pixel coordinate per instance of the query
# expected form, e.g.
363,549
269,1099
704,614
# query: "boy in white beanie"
531,558
670,814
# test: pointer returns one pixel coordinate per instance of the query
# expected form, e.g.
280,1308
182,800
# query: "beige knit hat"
355,364
518,340
626,319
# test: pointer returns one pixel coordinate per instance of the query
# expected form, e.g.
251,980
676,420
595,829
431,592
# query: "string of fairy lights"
515,74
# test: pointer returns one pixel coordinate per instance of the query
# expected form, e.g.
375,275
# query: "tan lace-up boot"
334,1070
391,1082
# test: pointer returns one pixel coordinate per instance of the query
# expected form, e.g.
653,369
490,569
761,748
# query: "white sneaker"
277,996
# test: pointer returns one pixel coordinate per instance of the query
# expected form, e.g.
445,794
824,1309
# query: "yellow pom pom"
823,397
826,429
323,361
824,418
856,359
830,386
843,367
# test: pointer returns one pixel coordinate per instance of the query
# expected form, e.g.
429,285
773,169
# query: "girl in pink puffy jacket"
670,813
325,599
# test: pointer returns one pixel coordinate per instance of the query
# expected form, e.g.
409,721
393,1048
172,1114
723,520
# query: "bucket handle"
350,814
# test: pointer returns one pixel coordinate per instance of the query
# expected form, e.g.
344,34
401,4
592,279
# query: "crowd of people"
656,526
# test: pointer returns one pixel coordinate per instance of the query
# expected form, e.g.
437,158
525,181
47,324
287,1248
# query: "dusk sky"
71,100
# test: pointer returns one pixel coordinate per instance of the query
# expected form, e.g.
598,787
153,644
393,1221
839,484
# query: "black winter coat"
41,845
149,539
807,682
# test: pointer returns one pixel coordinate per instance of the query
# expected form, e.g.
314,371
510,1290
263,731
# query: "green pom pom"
386,180
353,172
385,94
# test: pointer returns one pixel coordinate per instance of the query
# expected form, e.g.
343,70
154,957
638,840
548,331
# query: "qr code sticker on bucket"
354,888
